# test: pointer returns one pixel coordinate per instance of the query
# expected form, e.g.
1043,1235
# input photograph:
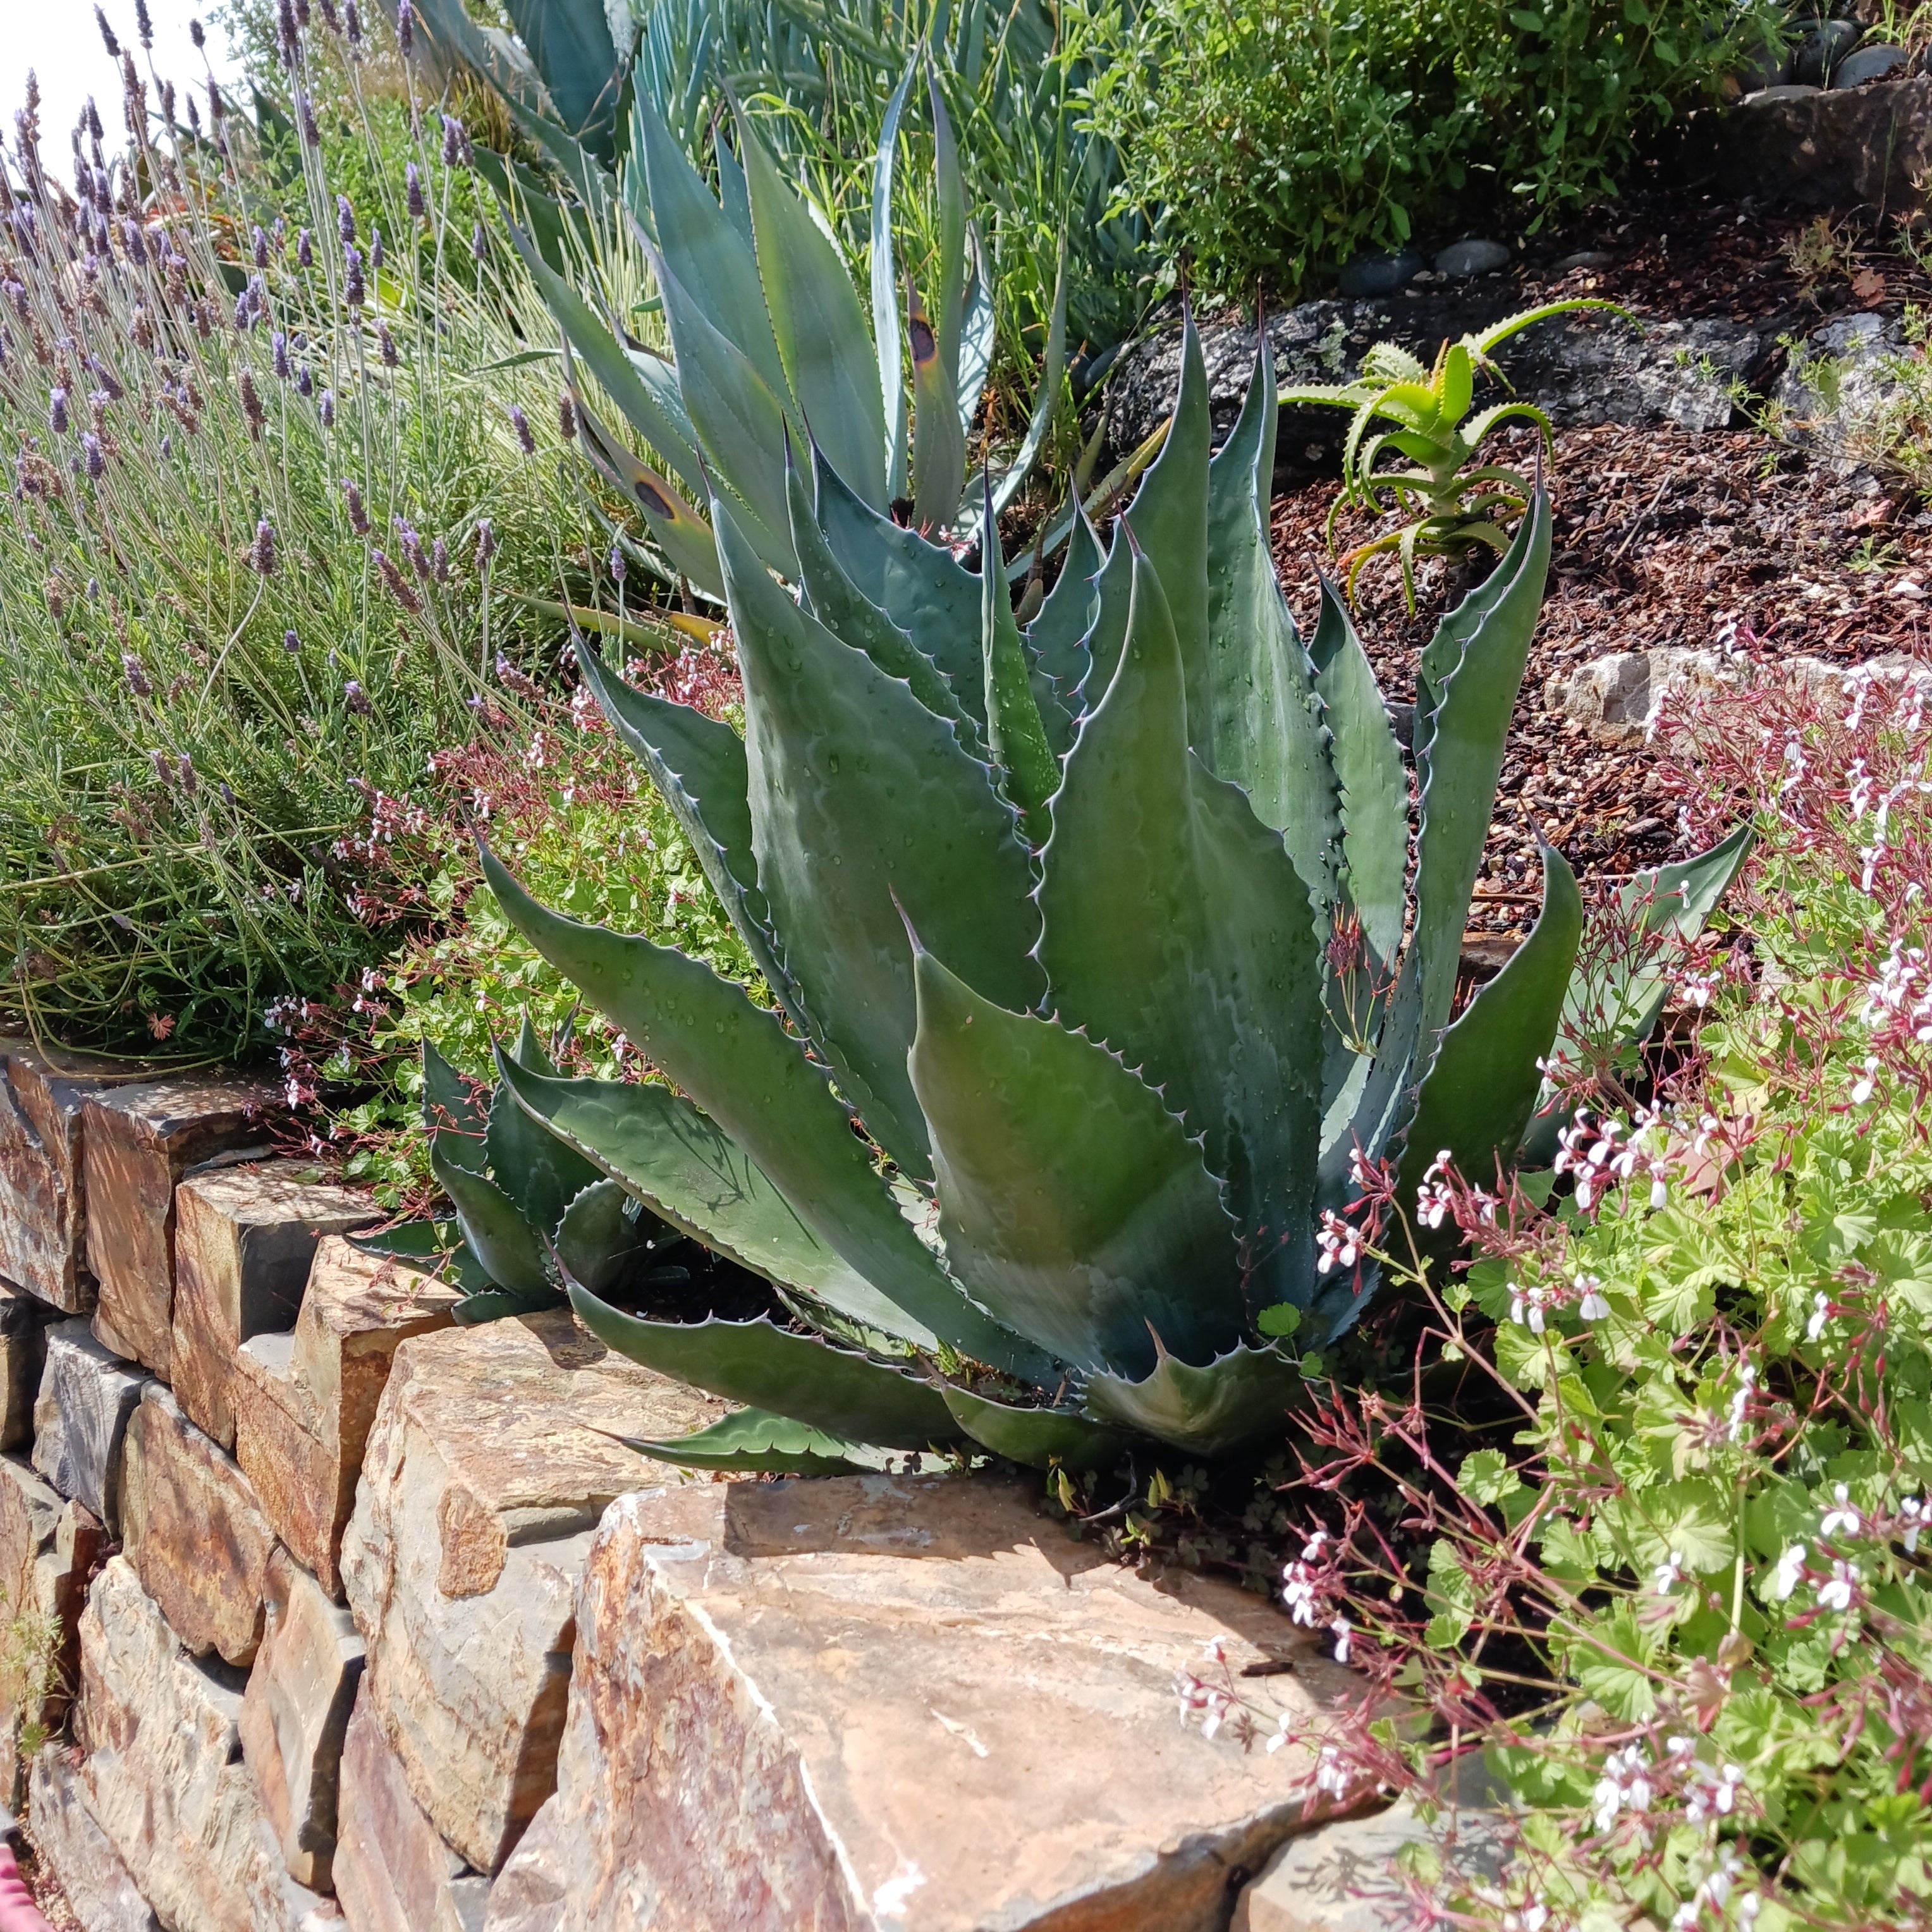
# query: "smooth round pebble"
1867,64
1368,276
1461,259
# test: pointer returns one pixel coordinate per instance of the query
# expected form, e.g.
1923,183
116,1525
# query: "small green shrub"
1275,142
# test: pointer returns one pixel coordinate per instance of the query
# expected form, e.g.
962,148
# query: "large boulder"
912,1703
494,1453
139,1141
99,1889
163,1776
193,1531
304,1401
244,1239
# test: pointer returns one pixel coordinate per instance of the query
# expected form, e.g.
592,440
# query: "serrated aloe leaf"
431,1247
659,1148
938,442
1169,517
753,1443
820,327
604,356
707,254
1473,669
1373,786
886,288
920,585
858,795
1113,589
1238,1397
531,1165
496,1304
1057,636
802,1376
1015,733
494,1229
1039,1437
737,1063
1071,1205
835,601
1478,1097
453,1116
697,764
680,532
1263,729
1176,928
603,1237
740,420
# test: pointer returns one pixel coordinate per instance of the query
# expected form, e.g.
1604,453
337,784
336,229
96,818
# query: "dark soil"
1730,540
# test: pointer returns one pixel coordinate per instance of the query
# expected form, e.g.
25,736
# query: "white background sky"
57,39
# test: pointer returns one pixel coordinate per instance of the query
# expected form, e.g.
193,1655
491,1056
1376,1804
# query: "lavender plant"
265,501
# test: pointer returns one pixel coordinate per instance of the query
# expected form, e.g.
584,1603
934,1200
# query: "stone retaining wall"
327,1611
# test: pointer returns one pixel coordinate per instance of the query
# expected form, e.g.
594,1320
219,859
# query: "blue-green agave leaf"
1046,400
949,191
1177,930
886,288
752,1443
1263,729
605,1236
570,46
1113,589
679,531
1057,636
820,327
494,1229
431,1247
920,585
1030,773
1039,1437
1071,1205
660,1148
858,795
1479,1095
802,1376
938,442
737,1063
453,1117
1237,1398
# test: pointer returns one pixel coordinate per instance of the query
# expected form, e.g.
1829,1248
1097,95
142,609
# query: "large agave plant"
1100,956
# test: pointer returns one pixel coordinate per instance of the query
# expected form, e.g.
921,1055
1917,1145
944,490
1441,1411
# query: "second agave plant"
1101,959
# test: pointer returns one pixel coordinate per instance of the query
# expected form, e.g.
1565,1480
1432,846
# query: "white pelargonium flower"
1841,1518
1669,1574
1836,1594
1592,1306
1790,1568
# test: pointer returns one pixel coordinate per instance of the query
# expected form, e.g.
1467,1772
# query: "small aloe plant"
529,1211
1412,441
1101,970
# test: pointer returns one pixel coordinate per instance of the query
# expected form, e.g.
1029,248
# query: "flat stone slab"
392,1871
193,1531
244,1239
294,1715
304,1401
912,1703
49,1549
88,1395
101,1890
139,1141
163,1776
42,1197
491,1461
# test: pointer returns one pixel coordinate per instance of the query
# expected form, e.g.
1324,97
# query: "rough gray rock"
80,1419
100,1889
1341,1877
897,1704
1835,392
24,1319
1461,259
1581,369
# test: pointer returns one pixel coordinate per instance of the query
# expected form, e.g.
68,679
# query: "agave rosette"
1099,954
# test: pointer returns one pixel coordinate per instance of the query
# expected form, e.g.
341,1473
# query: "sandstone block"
244,1238
193,1529
304,1401
163,1776
42,1218
137,1142
278,1900
912,1703
393,1873
1342,1877
99,1888
294,1714
49,1549
88,1395
23,1354
486,1471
